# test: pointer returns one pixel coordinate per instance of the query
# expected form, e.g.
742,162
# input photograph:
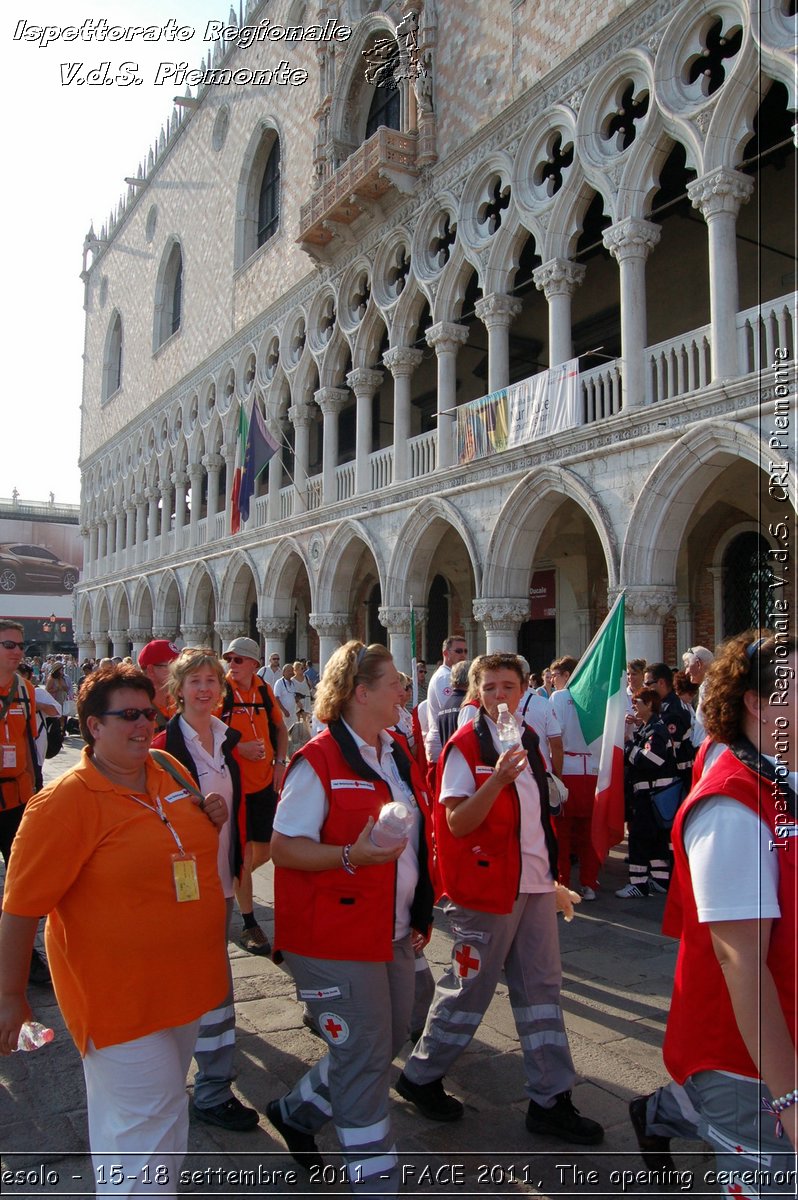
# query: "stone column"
401,361
141,527
100,639
474,635
152,495
301,417
139,638
646,610
630,242
274,631
501,619
229,455
130,531
195,473
102,544
196,635
213,464
227,630
332,629
684,629
119,641
85,648
180,480
331,401
497,312
275,485
94,549
558,279
447,339
718,197
85,537
582,618
167,492
119,536
364,384
397,622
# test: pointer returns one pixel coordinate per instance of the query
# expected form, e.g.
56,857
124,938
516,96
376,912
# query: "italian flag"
241,447
598,690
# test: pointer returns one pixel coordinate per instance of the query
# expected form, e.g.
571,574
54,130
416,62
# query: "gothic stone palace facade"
433,216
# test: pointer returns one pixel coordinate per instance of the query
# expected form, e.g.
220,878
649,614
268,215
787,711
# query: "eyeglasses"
234,658
9,645
132,714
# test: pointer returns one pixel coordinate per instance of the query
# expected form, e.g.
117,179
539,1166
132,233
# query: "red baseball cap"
159,651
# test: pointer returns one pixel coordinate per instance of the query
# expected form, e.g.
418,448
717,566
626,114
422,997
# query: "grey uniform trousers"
363,1010
216,1045
524,943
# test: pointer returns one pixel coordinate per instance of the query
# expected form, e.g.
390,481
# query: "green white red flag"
241,448
598,690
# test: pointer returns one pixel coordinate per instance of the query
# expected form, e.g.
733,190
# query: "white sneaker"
587,893
631,892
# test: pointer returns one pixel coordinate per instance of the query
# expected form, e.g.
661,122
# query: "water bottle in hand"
507,728
393,826
33,1034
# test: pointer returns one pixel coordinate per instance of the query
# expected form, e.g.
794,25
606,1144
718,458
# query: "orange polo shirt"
252,721
13,733
127,958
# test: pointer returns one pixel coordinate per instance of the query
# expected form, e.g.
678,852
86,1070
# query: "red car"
34,569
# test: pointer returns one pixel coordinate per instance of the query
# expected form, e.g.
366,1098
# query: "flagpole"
413,662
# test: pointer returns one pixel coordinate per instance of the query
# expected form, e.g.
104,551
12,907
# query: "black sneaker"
562,1120
430,1099
301,1146
654,1149
39,973
232,1114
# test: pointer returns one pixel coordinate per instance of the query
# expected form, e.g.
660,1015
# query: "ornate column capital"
179,478
631,238
331,625
97,635
228,630
721,191
363,382
558,277
139,635
497,310
446,337
331,400
397,620
402,361
300,416
152,493
119,635
195,635
646,605
212,462
165,631
84,640
228,450
502,615
195,471
277,627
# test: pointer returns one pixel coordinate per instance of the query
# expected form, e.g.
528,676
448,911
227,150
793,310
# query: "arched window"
269,198
384,108
112,359
168,313
746,577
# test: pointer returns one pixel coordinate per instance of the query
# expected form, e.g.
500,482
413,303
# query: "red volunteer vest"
483,869
702,1033
332,914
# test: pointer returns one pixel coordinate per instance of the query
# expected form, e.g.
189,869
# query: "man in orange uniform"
19,773
250,707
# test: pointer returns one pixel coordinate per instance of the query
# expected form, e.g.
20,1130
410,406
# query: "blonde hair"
191,659
350,665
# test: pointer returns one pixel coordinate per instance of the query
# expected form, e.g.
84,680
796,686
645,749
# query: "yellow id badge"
184,869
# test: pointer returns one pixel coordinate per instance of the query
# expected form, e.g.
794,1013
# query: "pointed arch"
340,557
411,563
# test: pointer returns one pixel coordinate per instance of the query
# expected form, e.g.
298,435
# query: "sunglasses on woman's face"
132,714
7,644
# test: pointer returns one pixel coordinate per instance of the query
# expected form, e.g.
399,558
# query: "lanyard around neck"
159,812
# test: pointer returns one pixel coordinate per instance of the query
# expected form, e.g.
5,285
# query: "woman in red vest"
730,1039
349,914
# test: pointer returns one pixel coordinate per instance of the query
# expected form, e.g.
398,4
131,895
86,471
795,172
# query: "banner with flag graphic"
598,691
259,448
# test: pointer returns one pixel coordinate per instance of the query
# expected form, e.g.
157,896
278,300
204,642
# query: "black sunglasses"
9,645
132,714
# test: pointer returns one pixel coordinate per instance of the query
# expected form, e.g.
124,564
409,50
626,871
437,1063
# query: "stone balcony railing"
387,161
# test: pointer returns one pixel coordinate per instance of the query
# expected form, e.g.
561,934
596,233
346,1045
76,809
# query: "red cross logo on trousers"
334,1027
467,959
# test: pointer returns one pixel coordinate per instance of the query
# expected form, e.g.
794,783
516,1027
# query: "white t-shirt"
213,776
439,693
539,715
270,676
734,872
458,780
285,694
304,806
576,760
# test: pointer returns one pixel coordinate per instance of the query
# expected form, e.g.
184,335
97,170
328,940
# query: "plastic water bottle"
507,728
393,826
33,1035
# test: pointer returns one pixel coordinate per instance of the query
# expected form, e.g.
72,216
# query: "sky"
70,149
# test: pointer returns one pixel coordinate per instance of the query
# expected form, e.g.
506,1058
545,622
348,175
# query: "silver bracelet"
346,862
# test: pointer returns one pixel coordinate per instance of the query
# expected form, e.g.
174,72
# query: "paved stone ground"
618,970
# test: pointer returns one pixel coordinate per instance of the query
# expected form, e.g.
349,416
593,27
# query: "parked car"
34,568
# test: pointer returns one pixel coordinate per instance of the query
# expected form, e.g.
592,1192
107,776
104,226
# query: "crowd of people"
372,809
